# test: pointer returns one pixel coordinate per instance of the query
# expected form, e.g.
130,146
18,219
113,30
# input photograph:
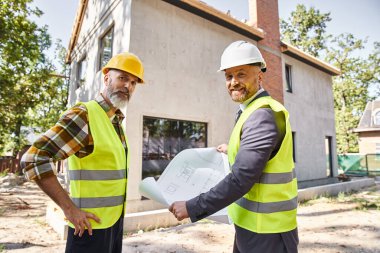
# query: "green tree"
351,88
54,102
25,72
306,29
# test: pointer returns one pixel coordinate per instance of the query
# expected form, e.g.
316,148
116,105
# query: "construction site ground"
345,223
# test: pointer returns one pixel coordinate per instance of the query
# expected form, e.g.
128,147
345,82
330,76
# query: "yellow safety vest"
270,206
98,182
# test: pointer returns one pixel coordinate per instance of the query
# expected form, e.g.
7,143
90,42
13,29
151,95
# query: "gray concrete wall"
181,54
100,16
311,108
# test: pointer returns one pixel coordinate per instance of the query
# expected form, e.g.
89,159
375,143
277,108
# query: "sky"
361,18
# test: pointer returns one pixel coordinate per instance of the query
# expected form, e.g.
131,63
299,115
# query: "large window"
164,138
106,48
81,71
288,75
328,148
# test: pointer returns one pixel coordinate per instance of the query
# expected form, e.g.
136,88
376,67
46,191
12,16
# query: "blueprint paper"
191,172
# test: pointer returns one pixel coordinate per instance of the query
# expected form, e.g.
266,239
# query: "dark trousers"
109,240
249,242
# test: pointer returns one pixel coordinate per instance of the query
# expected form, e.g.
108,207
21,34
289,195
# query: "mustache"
236,87
124,92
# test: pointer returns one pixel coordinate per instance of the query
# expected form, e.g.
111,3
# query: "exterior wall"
367,142
181,54
99,17
311,108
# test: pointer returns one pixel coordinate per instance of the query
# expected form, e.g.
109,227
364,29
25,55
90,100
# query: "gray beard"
118,103
115,100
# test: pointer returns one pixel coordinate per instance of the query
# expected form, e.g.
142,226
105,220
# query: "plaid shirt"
70,135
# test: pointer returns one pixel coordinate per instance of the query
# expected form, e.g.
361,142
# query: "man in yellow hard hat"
261,190
91,136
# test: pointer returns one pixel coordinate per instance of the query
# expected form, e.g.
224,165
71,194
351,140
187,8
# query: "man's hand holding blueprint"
191,172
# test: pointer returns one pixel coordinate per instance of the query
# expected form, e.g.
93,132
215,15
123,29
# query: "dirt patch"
346,224
22,221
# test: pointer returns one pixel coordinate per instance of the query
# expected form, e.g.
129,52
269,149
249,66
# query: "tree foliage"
359,74
26,84
306,29
351,88
47,112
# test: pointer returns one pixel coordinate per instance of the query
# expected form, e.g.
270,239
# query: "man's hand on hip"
80,220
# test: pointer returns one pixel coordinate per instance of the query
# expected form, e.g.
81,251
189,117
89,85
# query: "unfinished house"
184,103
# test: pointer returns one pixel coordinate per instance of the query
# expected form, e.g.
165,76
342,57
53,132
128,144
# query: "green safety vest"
270,206
98,182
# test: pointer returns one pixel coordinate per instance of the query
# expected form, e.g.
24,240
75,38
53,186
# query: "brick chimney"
263,14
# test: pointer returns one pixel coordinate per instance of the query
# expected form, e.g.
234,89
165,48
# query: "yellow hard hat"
127,62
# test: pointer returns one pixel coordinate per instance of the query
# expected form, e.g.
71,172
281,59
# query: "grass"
2,247
316,199
365,204
3,174
365,200
40,222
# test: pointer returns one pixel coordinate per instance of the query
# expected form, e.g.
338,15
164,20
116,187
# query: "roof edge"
369,129
210,13
290,50
194,6
76,29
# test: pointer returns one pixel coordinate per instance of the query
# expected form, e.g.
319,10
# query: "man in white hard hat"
261,190
91,137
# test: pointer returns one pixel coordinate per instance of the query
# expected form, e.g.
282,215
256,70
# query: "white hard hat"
241,53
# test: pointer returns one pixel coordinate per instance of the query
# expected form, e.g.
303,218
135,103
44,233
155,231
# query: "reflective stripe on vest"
98,202
277,178
271,207
97,174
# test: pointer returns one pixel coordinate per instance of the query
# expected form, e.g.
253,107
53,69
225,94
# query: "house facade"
369,129
184,102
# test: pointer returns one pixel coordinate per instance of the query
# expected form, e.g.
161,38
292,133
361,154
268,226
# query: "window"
106,48
377,118
294,145
328,149
288,75
377,152
164,138
81,71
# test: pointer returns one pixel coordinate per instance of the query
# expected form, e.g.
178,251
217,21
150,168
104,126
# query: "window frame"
329,156
289,78
294,146
109,31
376,118
168,154
80,68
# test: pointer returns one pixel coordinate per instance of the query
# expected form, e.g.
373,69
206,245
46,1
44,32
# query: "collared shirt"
245,104
70,135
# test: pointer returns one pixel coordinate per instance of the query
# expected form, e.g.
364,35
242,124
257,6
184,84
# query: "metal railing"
9,164
359,164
